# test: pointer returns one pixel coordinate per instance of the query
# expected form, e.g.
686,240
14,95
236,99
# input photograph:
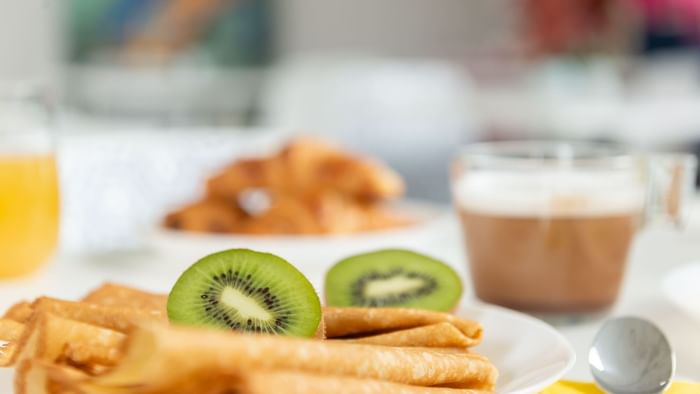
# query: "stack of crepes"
117,340
307,187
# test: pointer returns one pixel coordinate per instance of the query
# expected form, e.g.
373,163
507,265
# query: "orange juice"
28,212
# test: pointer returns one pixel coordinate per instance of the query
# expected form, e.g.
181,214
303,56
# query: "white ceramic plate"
529,354
681,288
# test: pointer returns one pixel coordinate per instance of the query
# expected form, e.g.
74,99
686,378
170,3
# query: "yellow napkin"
567,387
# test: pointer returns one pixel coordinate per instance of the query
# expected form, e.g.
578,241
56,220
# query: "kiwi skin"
276,286
441,289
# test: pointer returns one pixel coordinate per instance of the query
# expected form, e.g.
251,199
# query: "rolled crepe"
342,322
247,382
19,312
155,353
6,354
440,335
304,383
111,294
34,376
52,338
10,330
29,379
298,383
115,318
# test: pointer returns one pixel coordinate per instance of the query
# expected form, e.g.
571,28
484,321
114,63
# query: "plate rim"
476,305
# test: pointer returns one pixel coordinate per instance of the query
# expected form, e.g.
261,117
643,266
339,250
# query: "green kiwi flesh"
245,290
393,278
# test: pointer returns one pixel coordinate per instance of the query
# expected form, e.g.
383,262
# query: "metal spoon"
631,356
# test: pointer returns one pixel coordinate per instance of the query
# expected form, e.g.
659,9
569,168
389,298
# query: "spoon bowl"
630,355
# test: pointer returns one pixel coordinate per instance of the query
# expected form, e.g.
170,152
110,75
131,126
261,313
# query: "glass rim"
526,154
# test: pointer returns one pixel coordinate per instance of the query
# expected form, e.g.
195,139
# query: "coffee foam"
570,193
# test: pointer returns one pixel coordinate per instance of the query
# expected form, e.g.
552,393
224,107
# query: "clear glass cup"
29,200
548,226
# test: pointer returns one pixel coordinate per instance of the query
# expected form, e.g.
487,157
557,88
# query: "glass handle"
671,188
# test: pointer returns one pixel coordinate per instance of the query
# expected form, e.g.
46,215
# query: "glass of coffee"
548,226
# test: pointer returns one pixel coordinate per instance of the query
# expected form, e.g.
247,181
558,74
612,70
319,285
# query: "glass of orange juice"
29,202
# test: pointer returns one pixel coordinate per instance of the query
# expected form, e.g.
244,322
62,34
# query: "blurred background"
150,96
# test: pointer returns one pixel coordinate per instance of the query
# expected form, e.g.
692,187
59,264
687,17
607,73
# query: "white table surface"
656,251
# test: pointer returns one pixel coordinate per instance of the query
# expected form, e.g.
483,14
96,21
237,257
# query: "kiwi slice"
393,278
245,290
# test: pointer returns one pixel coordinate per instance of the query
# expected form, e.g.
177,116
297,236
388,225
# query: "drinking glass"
29,201
548,226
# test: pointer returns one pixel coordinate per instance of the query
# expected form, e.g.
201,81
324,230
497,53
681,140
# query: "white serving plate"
530,354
